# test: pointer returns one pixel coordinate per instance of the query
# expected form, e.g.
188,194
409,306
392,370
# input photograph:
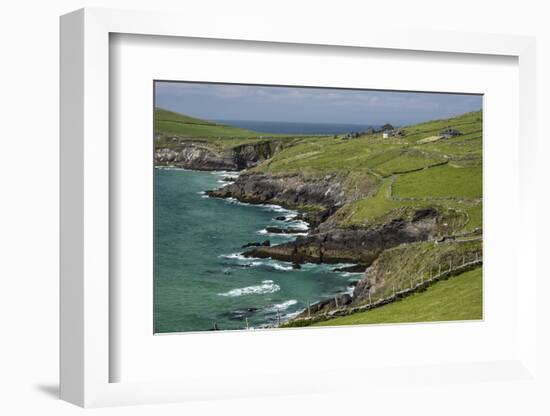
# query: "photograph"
292,206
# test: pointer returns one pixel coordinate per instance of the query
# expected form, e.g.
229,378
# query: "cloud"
273,103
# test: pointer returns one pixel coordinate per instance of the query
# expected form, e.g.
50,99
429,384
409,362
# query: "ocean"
281,127
202,282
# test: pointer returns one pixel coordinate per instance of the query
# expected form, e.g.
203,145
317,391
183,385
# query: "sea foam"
282,306
267,286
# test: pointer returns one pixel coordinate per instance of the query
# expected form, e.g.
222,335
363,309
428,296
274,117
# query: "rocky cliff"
350,245
199,155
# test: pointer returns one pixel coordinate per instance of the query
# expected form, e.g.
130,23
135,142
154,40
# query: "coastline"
296,214
295,218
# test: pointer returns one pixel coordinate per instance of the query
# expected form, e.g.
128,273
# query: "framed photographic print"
233,230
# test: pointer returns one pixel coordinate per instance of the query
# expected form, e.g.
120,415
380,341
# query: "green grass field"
440,181
454,299
169,122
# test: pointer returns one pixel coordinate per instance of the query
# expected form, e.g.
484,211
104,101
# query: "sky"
309,105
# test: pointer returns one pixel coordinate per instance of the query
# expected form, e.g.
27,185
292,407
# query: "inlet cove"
271,228
203,281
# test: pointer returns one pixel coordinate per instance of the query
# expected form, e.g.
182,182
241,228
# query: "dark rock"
326,305
357,268
239,314
348,245
281,218
289,190
296,266
424,213
279,230
265,243
251,245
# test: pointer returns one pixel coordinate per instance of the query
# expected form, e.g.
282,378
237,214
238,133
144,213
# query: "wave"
278,208
267,286
350,274
281,306
230,175
287,235
274,264
235,256
279,266
231,200
299,224
171,168
291,315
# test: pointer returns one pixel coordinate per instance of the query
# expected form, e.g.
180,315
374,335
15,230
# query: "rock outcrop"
323,196
349,245
291,190
200,155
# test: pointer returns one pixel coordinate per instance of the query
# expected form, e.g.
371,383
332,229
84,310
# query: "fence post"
439,270
451,265
336,302
278,318
308,310
246,321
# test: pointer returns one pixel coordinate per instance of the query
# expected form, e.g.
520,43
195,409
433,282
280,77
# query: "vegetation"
170,122
440,182
445,174
458,298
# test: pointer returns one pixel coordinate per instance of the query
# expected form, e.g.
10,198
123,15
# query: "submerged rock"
265,243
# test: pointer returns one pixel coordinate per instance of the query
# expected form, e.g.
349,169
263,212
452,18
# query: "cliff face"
328,241
349,245
395,268
322,195
199,156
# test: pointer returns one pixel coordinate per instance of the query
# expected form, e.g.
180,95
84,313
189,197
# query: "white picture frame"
86,356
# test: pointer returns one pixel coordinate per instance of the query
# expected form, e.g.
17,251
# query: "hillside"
458,298
172,130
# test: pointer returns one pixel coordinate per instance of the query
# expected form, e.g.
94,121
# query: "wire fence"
419,282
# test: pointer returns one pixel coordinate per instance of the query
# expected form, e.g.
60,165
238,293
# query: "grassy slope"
170,122
458,298
446,173
171,129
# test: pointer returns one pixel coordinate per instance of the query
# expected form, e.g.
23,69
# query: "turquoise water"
201,281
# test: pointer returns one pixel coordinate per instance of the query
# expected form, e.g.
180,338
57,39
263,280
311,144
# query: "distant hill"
172,123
